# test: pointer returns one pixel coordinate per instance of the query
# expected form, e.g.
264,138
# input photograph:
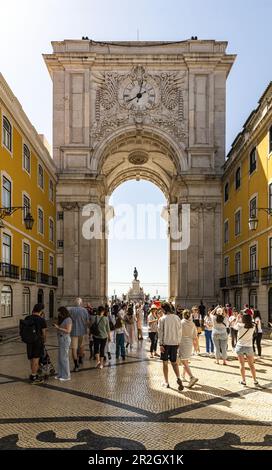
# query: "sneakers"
36,380
64,380
165,385
180,386
242,382
192,382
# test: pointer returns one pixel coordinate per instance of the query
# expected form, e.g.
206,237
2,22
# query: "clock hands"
138,96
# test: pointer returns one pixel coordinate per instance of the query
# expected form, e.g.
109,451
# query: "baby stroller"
46,368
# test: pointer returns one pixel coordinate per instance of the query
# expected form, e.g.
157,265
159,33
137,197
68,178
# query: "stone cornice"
14,108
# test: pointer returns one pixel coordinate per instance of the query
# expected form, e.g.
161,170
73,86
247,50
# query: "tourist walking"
80,319
139,321
219,335
33,333
188,337
100,329
91,313
233,331
130,326
245,327
169,334
202,311
120,333
109,344
196,320
152,321
208,326
258,332
64,328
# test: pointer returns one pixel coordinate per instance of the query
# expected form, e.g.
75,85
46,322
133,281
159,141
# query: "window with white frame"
51,191
270,196
270,252
26,158
6,193
26,301
238,178
226,231
253,208
51,265
226,192
26,255
6,248
40,221
40,261
226,267
238,263
238,222
7,133
40,176
51,230
253,160
253,258
6,302
26,204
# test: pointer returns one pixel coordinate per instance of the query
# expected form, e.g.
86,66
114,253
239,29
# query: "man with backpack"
33,333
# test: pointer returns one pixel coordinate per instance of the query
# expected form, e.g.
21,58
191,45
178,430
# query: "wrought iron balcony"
42,278
224,282
235,280
28,275
9,270
267,275
53,281
251,277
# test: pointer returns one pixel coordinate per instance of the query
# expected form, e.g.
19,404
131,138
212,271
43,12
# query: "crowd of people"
173,333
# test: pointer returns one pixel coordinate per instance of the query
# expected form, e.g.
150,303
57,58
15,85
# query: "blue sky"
28,26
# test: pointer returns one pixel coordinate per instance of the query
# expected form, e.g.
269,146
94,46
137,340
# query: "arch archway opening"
138,238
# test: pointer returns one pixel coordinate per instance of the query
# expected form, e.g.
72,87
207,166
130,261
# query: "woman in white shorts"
188,340
245,327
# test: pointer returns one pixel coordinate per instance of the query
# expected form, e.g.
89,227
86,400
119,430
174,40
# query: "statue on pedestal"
135,273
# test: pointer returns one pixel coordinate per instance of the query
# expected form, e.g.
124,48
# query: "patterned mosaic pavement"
124,405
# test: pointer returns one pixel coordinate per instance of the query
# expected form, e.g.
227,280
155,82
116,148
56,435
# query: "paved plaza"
124,405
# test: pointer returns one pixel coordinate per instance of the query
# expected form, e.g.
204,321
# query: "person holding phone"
64,328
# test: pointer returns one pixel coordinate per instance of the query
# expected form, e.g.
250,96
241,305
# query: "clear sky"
28,26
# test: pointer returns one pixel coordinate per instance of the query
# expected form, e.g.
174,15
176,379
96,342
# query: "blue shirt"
80,318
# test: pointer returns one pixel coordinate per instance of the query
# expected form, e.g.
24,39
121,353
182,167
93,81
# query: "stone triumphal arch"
139,110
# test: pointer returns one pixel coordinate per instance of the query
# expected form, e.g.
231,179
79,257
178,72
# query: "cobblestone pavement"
124,405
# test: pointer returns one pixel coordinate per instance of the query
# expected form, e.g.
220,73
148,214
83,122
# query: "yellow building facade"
247,197
28,183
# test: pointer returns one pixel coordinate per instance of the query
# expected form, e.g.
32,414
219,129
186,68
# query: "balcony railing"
53,281
251,277
223,282
42,278
28,275
9,270
235,280
267,275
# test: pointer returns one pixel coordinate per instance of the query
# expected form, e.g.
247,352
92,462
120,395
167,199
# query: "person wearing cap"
152,321
169,333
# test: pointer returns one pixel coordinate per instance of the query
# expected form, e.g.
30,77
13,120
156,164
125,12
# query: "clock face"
139,95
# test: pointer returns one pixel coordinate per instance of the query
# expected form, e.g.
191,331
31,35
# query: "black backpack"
94,330
28,331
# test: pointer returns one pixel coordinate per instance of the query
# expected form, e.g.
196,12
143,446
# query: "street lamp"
253,221
6,211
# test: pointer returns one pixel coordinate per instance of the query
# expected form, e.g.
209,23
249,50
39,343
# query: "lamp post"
253,221
6,211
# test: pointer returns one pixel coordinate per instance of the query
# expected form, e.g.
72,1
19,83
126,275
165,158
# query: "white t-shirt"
244,337
169,330
259,324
